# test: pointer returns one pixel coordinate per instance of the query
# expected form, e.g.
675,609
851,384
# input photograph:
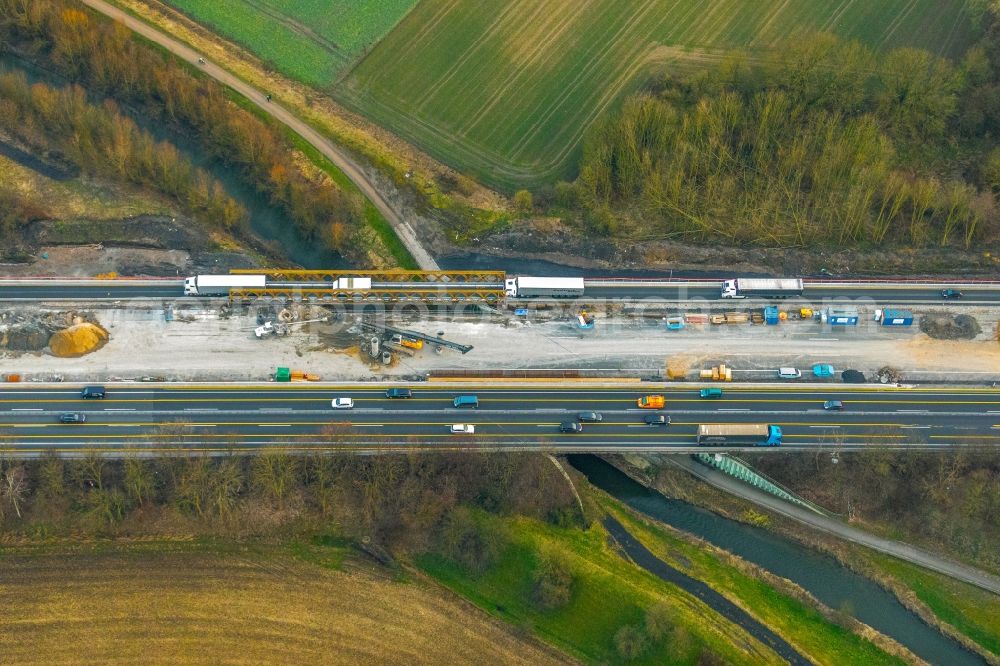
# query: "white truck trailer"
762,288
219,285
550,287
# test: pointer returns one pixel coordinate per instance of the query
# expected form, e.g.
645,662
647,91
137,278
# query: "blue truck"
739,434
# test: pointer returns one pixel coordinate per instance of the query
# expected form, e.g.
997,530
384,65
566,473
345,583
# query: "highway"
221,418
816,291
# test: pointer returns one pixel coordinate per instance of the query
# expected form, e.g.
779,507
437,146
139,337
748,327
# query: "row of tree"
949,499
396,501
822,142
106,59
102,141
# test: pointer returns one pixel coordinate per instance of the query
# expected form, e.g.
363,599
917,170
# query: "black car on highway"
398,393
571,426
589,417
72,417
951,293
657,419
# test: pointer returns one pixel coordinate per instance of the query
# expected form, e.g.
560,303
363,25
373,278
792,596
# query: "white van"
789,373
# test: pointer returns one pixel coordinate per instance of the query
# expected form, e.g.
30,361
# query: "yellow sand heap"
78,340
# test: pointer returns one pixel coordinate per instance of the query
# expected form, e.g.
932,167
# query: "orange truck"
651,402
408,342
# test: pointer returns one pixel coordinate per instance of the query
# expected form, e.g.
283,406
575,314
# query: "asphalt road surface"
816,293
217,419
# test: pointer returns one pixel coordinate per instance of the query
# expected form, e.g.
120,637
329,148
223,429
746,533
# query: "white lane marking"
912,411
130,409
27,409
824,339
824,426
913,426
367,425
274,425
734,410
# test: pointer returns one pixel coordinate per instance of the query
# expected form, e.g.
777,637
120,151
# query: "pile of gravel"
948,327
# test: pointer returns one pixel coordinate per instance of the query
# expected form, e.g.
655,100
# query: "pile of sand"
77,340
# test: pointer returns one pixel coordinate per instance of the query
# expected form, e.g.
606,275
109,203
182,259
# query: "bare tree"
139,481
226,484
274,475
13,488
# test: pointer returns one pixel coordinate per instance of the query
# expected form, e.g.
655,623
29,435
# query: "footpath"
344,162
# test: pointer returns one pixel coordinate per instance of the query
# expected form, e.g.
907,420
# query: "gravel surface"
203,343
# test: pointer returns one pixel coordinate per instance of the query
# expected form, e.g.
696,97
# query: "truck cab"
729,289
191,286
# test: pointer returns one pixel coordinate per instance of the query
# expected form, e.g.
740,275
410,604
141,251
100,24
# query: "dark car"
571,426
657,419
951,293
398,393
73,417
92,393
589,417
833,405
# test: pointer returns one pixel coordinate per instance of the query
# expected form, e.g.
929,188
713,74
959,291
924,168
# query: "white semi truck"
762,288
550,287
219,285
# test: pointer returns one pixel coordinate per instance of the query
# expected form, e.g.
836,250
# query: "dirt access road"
343,161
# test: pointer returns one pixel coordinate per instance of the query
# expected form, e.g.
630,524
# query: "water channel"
821,575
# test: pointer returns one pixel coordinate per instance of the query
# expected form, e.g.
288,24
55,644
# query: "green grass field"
310,40
506,89
974,612
609,592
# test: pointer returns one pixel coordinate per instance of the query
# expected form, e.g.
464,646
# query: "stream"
821,575
266,221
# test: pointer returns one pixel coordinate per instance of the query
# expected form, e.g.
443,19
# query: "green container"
283,375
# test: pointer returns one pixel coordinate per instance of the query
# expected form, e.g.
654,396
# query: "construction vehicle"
737,434
404,341
762,288
269,328
651,402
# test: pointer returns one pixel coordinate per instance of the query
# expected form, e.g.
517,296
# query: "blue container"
836,317
897,318
771,315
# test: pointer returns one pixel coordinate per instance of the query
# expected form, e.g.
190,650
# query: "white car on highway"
342,403
463,429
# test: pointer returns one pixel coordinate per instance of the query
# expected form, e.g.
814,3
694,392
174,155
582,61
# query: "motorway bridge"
161,419
668,290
